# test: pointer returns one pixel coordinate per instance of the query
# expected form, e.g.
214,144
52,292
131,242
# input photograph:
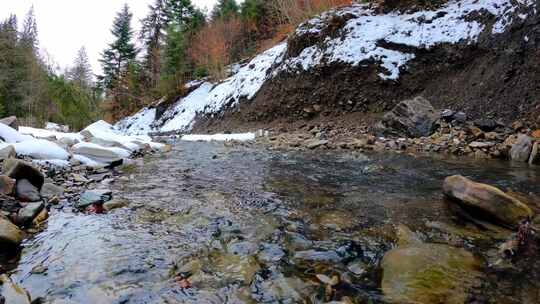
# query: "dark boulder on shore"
410,118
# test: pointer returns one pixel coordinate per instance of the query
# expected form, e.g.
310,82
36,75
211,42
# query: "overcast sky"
66,25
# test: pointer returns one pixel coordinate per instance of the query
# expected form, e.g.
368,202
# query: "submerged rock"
428,273
411,118
9,233
491,202
26,191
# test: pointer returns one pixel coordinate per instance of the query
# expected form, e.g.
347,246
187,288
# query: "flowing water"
246,225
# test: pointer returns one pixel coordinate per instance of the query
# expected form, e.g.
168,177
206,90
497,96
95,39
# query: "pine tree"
152,35
29,35
120,53
225,9
81,72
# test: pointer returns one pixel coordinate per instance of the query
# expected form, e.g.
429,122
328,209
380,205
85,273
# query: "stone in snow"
11,121
18,169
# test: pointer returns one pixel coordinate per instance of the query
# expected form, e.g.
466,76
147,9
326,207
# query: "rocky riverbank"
414,126
58,170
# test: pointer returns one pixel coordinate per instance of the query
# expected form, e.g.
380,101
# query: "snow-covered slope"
366,37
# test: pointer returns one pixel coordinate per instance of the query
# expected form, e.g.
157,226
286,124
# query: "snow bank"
220,137
40,149
11,135
43,133
368,37
366,33
105,134
140,123
208,98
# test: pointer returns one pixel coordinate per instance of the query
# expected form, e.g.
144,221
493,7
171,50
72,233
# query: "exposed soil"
497,78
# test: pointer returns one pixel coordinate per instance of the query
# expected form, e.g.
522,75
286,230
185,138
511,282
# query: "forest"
177,42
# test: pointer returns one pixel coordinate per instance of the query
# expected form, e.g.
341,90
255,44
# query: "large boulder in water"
411,118
428,273
417,272
488,201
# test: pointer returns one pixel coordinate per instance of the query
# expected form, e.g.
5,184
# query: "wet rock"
18,169
11,121
7,152
316,144
480,145
12,293
92,197
243,248
26,191
357,267
447,114
485,200
27,214
411,118
42,216
115,204
486,125
50,190
296,241
460,117
476,132
308,256
7,185
534,158
280,289
271,253
428,273
10,234
521,149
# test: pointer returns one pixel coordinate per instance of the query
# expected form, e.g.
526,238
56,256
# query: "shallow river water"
209,223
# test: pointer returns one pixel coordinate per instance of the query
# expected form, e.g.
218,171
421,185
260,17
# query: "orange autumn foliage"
212,46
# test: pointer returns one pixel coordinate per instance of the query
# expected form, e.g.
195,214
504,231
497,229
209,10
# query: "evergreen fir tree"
81,72
225,9
121,52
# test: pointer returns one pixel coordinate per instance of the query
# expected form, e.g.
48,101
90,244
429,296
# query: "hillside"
350,63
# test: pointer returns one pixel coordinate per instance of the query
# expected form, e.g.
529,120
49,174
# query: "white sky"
66,25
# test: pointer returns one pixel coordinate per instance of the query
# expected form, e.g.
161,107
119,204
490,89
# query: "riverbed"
215,223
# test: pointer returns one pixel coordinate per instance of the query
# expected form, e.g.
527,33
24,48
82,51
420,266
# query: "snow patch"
220,137
40,149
